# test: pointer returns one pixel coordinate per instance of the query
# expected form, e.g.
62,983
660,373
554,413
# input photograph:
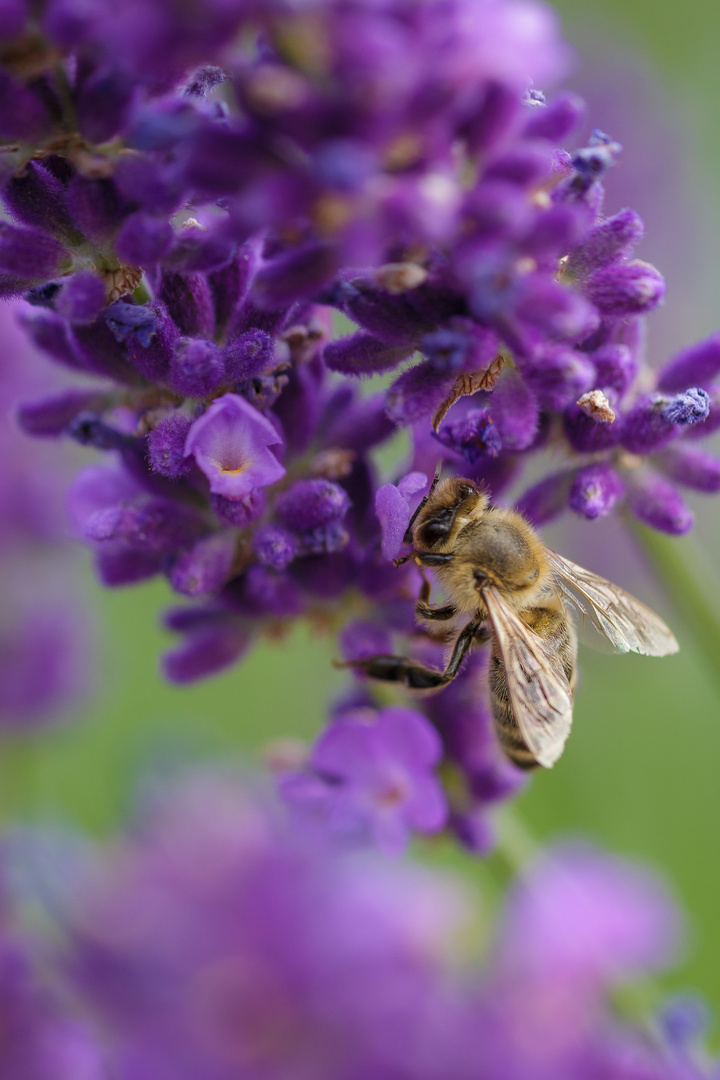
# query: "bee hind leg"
389,668
398,669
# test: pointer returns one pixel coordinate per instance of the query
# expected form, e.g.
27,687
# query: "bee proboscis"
492,567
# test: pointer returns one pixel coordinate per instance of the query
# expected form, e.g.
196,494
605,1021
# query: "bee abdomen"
506,727
560,641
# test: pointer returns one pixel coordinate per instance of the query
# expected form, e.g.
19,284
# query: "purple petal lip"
231,444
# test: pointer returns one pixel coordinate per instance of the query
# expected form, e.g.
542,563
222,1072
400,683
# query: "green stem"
690,586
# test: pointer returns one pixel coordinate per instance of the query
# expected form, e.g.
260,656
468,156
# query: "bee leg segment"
425,610
431,558
429,611
389,668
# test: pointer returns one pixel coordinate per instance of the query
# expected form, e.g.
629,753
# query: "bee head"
447,510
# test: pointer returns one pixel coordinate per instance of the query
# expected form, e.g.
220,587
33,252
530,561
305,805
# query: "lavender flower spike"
231,443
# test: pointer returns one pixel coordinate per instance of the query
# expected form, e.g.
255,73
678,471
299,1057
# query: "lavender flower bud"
143,239
81,298
559,376
103,354
271,593
248,355
595,490
150,357
103,104
96,206
586,435
166,446
516,412
698,366
361,638
30,254
630,289
196,367
242,511
126,566
205,651
654,421
311,503
153,524
545,500
131,322
659,505
275,547
689,466
295,275
49,417
189,303
206,567
417,392
474,436
615,366
608,242
557,120
50,333
37,198
363,354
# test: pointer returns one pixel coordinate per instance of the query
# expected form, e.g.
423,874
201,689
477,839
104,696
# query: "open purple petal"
231,444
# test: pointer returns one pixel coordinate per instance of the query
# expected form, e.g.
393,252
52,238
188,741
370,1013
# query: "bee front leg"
425,610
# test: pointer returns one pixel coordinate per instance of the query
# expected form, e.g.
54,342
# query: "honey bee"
492,567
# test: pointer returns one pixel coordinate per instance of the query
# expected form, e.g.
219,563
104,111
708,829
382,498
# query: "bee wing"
627,623
539,691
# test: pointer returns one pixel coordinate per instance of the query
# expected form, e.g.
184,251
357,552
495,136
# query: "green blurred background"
640,772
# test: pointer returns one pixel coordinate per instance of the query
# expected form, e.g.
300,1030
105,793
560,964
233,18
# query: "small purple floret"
275,547
474,436
81,298
196,367
166,446
309,504
595,490
231,444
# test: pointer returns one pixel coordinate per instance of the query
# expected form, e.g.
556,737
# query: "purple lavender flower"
231,444
185,249
373,773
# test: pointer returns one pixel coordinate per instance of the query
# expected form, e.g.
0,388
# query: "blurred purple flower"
372,772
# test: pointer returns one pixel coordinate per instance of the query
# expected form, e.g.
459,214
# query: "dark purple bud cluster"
193,192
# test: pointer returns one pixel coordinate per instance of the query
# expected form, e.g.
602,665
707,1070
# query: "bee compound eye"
434,531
